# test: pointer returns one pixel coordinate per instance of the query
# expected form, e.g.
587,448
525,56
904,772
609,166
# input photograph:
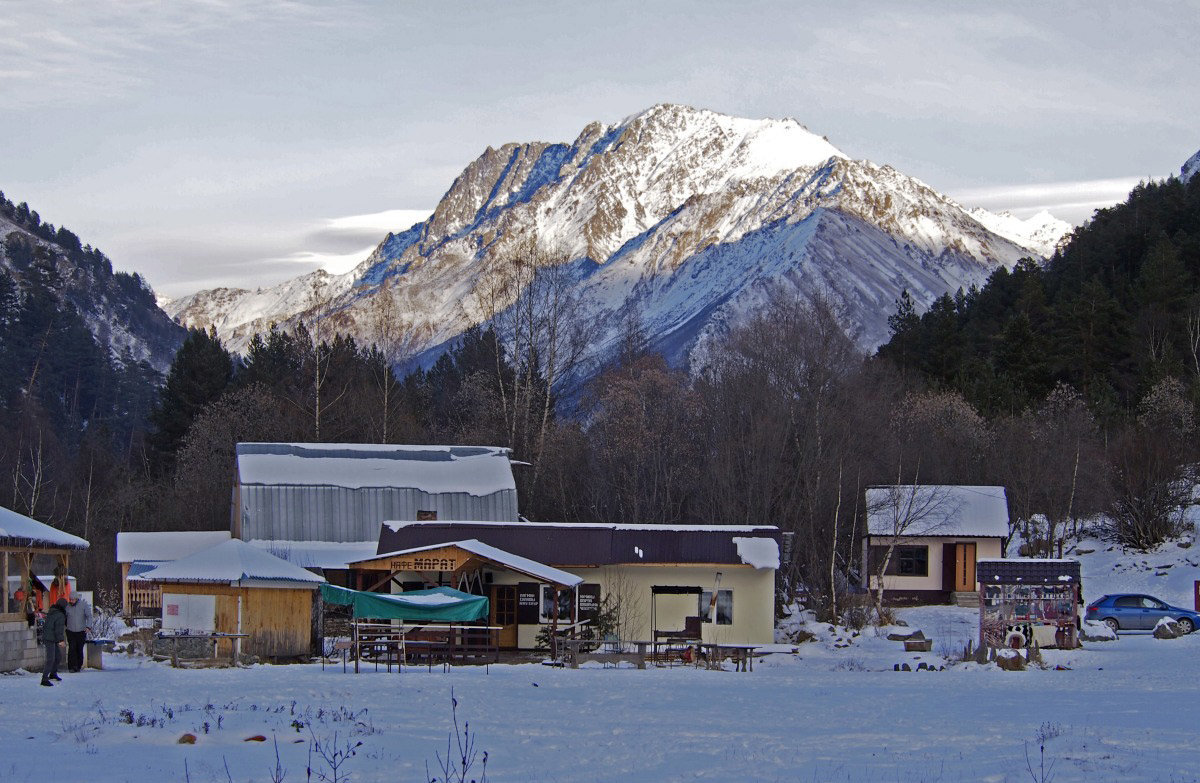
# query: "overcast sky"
242,142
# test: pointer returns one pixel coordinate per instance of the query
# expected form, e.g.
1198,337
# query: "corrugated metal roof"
234,561
474,470
937,510
166,545
342,492
585,545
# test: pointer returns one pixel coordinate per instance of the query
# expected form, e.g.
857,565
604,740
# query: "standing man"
54,636
79,622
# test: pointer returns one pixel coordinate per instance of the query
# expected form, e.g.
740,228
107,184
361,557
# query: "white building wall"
984,548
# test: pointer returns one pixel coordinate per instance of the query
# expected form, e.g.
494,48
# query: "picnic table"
215,637
608,651
742,655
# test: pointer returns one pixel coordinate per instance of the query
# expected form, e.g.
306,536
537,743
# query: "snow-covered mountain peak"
689,216
1190,168
1043,233
748,147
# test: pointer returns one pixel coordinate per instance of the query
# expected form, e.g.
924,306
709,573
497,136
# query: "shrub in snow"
1167,629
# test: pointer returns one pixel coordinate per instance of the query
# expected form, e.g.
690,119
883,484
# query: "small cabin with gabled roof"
935,533
235,588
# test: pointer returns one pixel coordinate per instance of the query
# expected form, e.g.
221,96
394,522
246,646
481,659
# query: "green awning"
437,605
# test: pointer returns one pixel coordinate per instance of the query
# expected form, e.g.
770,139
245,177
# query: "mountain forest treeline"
1073,384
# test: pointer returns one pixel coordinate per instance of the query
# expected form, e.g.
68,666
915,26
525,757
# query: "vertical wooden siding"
278,620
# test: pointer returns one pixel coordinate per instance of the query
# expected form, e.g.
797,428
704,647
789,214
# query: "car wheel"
1112,623
1185,624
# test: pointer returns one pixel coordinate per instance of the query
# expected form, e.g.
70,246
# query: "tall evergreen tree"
201,372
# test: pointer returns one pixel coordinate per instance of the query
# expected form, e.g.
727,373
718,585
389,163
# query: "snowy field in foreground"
1125,710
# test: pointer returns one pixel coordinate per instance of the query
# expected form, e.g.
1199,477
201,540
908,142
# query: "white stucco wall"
984,548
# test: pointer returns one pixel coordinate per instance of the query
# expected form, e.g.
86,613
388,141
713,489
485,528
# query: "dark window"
724,611
1128,602
566,605
910,561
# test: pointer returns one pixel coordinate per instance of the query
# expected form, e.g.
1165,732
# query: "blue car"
1136,612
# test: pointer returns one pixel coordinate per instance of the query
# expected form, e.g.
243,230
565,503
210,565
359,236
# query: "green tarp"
438,605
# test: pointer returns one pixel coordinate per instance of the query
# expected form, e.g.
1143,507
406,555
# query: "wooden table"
175,638
742,655
575,656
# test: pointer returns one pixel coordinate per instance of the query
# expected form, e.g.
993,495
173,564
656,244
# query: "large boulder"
1095,631
1167,629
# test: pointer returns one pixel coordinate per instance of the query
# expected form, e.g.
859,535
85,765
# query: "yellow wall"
753,599
984,548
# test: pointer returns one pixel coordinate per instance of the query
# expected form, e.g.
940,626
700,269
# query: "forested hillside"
82,351
1112,314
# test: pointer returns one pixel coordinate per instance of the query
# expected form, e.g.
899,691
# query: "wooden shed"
237,588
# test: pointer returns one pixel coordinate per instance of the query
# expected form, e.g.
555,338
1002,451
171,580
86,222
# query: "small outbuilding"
235,588
22,540
930,538
139,552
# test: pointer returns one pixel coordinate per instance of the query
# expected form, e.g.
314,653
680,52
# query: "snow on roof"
395,525
233,561
507,559
475,470
20,530
758,552
319,554
166,546
937,510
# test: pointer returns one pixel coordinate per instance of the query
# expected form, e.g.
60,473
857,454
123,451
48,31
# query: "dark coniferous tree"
201,372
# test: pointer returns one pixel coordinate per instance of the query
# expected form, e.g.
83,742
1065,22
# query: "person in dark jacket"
79,622
54,636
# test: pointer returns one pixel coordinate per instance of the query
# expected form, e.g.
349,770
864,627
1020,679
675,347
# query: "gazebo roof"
18,530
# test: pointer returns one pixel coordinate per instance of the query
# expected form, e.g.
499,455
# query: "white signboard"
185,612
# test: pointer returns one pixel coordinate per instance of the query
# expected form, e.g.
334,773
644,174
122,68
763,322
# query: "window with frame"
566,605
910,561
724,613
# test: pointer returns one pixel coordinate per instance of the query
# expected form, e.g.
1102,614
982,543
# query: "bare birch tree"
897,514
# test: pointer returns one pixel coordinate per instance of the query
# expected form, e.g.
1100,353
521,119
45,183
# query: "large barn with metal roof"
301,497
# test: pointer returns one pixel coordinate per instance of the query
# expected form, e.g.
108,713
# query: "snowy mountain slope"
1042,232
687,215
1190,168
118,311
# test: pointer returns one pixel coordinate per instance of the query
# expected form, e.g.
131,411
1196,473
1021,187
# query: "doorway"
504,614
964,568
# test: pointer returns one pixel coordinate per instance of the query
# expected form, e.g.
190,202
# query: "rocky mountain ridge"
686,217
118,309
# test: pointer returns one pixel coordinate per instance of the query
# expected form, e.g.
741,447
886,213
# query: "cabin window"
566,605
910,561
724,613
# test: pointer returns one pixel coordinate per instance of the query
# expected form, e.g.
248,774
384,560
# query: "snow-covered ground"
831,709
